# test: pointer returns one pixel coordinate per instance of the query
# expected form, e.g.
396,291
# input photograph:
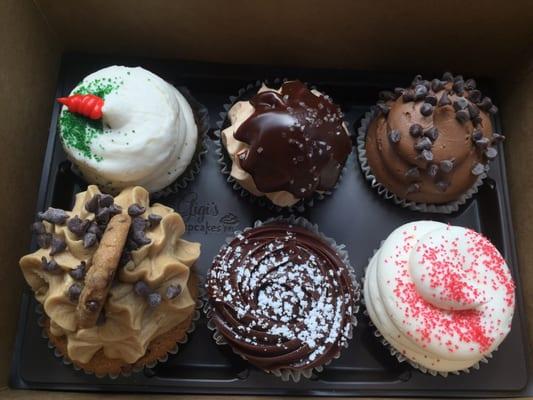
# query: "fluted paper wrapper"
288,374
225,162
67,361
446,208
397,354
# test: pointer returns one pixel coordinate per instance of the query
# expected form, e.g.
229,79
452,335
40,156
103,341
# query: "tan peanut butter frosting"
148,295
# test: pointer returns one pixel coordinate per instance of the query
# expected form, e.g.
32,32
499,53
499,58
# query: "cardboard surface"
479,37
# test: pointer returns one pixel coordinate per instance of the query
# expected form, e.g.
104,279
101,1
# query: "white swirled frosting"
441,295
147,136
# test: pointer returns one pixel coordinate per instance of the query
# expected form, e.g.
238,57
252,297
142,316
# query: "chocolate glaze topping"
281,297
297,141
434,139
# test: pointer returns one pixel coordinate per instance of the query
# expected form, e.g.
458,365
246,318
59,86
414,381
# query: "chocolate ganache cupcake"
283,298
430,143
286,144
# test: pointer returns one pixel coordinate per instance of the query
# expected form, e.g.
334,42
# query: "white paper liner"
67,361
287,374
397,353
446,208
225,161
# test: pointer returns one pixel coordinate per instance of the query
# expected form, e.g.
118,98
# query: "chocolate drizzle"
281,297
297,141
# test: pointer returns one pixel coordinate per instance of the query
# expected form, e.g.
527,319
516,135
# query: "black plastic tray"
354,215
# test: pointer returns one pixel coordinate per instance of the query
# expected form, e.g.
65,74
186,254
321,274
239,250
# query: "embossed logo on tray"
205,216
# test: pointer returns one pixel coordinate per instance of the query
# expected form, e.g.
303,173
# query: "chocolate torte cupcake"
283,297
429,145
114,279
286,144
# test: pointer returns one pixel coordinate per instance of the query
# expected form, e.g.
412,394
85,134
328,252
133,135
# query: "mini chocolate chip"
89,240
383,108
497,138
415,130
423,144
386,95
135,210
394,136
408,95
140,238
442,186
420,92
427,155
51,266
458,87
437,85
78,226
398,92
92,204
470,84
103,216
92,305
413,188
74,291
105,200
139,224
474,96
447,76
458,78
44,240
432,133
413,172
431,100
154,220
446,166
460,104
432,170
485,104
462,116
482,143
78,273
54,216
476,135
478,169
57,246
473,111
125,258
173,291
493,110
38,228
416,80
94,228
154,299
426,109
491,153
444,100
142,288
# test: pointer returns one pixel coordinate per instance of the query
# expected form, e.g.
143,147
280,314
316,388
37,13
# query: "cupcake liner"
225,162
287,374
396,353
201,118
446,208
136,369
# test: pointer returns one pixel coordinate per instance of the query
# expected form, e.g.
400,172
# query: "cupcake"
286,144
125,127
441,296
114,279
430,143
283,297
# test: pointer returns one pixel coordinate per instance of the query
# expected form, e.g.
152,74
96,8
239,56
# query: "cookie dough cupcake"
441,296
283,297
286,144
430,143
125,127
114,279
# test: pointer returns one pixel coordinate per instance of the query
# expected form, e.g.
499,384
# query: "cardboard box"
482,38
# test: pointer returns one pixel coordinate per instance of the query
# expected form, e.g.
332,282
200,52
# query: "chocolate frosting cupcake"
287,143
430,142
282,297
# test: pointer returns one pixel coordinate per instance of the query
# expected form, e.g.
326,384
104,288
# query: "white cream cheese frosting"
146,137
441,295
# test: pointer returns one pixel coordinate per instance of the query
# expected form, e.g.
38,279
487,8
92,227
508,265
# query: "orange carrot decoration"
88,105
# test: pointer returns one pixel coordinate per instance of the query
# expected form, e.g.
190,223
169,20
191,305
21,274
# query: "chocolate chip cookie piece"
100,274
